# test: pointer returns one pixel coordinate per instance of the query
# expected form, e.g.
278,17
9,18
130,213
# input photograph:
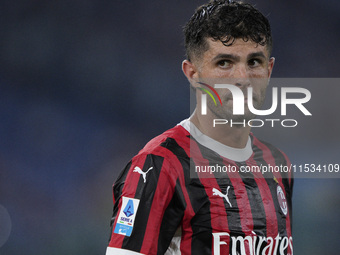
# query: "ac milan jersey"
187,194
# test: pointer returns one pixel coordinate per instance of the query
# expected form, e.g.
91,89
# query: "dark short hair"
225,21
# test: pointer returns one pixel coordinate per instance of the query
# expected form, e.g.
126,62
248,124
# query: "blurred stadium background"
85,84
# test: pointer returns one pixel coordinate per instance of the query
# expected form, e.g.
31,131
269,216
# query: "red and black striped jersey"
179,195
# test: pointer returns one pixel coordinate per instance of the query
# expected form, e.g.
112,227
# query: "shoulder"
271,156
172,142
162,153
157,162
267,150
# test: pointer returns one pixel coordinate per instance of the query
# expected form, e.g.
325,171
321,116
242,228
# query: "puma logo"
138,170
216,192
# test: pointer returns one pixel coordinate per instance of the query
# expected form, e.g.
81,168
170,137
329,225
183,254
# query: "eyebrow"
228,56
256,55
237,58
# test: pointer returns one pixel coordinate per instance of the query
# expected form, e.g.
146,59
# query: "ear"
271,66
190,71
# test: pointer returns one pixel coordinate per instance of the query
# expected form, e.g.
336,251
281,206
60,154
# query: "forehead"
239,48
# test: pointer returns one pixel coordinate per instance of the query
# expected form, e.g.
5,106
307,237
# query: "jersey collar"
228,152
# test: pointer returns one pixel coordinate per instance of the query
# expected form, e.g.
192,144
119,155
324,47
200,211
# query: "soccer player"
186,192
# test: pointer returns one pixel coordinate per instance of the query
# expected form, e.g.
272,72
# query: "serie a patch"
126,217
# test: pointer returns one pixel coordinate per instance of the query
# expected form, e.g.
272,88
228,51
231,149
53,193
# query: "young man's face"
242,64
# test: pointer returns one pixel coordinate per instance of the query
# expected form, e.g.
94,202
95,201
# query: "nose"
240,76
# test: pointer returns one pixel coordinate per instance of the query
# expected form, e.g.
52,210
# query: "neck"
232,136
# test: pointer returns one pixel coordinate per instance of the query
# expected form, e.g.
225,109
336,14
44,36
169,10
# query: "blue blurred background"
85,84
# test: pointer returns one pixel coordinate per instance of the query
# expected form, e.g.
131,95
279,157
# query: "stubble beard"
226,110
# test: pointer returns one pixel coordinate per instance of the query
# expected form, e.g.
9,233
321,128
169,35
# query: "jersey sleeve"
148,207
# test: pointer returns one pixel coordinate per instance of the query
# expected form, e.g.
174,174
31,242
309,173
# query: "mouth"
245,99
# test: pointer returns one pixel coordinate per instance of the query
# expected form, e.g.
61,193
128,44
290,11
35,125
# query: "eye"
254,62
224,63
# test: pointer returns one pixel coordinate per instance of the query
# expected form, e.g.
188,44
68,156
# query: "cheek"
259,86
225,94
261,73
